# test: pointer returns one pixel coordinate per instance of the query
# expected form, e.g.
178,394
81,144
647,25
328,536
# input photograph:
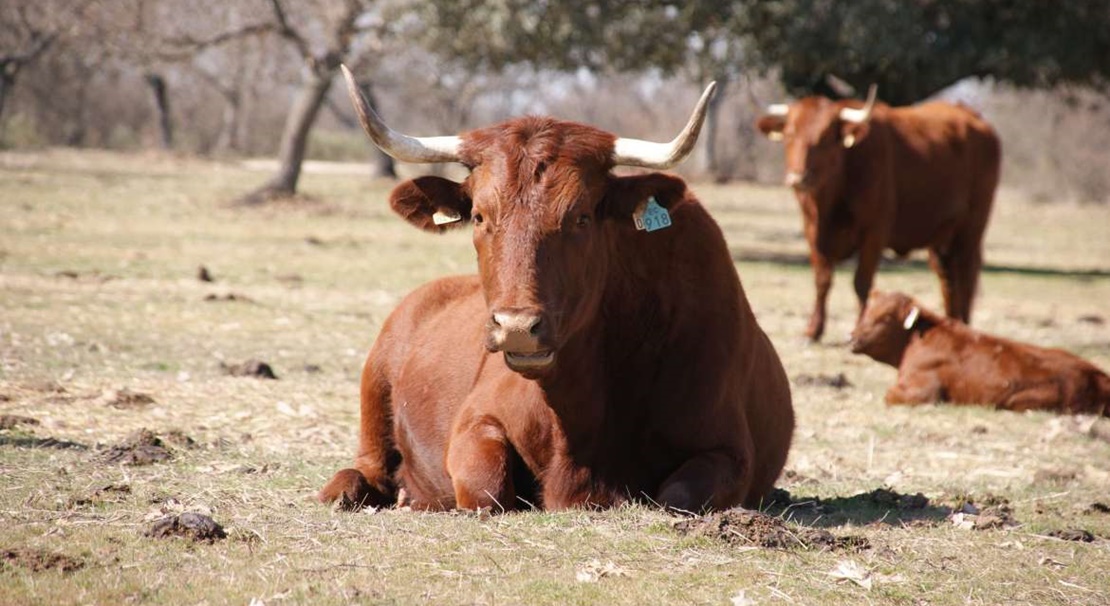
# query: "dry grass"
98,261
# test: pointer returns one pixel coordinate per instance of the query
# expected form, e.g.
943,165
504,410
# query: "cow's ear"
433,204
625,194
771,126
852,133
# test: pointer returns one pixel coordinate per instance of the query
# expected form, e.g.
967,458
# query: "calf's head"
545,212
884,328
816,131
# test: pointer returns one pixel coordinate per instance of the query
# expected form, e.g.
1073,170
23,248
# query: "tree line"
215,66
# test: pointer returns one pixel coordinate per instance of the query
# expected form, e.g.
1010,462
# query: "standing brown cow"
589,362
883,177
943,360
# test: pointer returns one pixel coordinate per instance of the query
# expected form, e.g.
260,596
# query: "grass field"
100,304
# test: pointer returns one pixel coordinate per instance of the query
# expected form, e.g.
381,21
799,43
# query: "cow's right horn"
648,154
778,109
859,116
401,147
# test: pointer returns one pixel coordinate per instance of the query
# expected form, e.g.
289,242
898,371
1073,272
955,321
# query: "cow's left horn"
859,116
401,147
637,152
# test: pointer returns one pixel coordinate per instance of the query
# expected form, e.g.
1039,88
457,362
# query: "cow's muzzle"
521,335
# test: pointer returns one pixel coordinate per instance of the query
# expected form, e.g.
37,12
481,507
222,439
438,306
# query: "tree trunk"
8,71
162,106
712,125
228,140
294,139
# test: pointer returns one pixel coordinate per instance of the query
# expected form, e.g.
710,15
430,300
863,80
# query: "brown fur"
943,360
663,388
916,177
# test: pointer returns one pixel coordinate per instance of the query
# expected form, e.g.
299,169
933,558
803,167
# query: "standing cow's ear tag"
849,140
651,216
911,318
443,218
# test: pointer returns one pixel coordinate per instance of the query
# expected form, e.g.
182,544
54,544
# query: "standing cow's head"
545,210
816,132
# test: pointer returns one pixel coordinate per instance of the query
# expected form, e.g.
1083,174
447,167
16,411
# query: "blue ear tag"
651,216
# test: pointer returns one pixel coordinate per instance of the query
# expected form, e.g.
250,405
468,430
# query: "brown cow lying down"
605,351
943,360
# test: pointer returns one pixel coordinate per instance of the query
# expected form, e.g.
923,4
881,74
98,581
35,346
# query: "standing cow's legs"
967,263
479,465
869,256
822,279
942,265
369,482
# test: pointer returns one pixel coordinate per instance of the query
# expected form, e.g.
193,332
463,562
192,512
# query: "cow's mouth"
529,362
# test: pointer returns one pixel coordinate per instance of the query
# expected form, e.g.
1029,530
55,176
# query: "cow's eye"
583,221
477,218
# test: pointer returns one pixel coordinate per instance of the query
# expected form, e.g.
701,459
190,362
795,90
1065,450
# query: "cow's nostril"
493,321
535,330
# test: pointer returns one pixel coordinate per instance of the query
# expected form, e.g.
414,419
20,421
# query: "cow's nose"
794,179
516,330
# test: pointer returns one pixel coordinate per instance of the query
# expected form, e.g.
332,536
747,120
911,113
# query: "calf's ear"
771,126
431,203
625,194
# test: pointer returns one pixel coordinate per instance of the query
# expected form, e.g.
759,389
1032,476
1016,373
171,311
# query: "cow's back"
945,162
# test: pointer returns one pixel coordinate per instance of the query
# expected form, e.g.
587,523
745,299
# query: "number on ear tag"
651,216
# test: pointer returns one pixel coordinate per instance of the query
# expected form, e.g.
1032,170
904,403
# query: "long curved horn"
859,116
637,152
401,147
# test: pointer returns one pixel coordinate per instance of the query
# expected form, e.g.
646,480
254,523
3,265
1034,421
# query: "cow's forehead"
813,114
538,163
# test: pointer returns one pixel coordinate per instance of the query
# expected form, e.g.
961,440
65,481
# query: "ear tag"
849,140
775,135
443,218
911,318
651,216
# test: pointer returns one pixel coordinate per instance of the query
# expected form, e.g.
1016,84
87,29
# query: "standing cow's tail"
1102,394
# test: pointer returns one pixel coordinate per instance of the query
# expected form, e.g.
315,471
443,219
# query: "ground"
107,328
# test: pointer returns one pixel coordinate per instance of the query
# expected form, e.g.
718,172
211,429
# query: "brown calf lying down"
944,360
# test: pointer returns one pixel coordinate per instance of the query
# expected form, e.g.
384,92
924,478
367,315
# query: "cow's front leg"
710,480
479,465
822,279
870,253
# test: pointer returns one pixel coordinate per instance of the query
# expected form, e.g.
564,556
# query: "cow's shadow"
25,441
881,506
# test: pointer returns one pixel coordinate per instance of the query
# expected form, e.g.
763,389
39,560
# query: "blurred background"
249,79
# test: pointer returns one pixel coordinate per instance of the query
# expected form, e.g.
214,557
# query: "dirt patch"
109,493
888,498
228,297
1095,319
140,448
125,399
194,526
983,513
204,275
13,421
751,528
837,381
250,368
1097,507
1072,534
37,560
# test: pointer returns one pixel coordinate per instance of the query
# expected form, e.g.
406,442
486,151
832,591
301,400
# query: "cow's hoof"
348,490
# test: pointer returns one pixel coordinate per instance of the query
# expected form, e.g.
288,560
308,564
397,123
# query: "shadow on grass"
748,255
880,506
25,441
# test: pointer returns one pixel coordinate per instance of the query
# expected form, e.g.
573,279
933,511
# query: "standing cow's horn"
401,147
859,116
637,152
